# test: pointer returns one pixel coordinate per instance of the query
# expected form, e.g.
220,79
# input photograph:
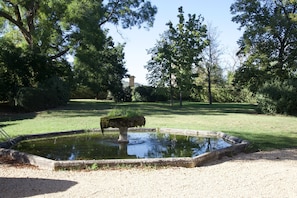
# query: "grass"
265,132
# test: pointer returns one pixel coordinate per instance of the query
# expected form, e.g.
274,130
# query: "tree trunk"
209,88
180,98
171,91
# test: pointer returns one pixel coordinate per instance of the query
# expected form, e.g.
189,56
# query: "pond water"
90,146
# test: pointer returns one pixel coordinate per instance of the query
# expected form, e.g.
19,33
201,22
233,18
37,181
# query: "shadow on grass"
17,116
4,125
27,187
82,108
267,141
190,108
86,108
9,113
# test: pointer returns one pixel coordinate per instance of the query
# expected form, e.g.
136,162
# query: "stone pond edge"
238,145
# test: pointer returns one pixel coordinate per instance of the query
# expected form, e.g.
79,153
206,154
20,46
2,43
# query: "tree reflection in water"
141,145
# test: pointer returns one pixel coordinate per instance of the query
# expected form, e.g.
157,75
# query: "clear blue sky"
138,41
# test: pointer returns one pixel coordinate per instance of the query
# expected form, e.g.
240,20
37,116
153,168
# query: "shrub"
58,91
278,96
150,94
124,112
123,94
223,94
82,92
51,93
31,99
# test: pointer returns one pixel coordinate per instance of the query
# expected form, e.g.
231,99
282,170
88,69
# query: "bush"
127,94
123,94
230,94
58,91
51,93
31,99
124,112
150,94
83,92
223,94
278,97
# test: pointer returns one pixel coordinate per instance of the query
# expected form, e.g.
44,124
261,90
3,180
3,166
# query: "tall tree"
23,68
54,28
176,56
188,38
100,69
269,41
160,68
211,60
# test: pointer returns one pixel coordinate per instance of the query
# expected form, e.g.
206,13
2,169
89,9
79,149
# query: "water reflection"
141,145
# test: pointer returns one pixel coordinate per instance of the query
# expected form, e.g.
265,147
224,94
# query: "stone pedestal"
123,137
123,123
123,151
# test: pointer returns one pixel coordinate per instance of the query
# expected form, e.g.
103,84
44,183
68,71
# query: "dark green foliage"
46,31
145,93
31,99
122,94
21,68
84,92
278,97
51,93
57,90
10,77
268,42
251,76
127,94
151,94
103,71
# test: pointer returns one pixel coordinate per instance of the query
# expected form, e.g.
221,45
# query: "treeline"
30,80
38,37
187,58
269,49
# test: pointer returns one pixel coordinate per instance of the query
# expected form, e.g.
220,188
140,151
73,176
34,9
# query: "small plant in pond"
122,119
119,118
123,112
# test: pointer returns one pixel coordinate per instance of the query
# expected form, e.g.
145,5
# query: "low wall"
238,145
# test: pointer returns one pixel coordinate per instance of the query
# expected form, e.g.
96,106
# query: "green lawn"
263,131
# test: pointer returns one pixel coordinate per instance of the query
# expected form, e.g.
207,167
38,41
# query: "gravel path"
262,174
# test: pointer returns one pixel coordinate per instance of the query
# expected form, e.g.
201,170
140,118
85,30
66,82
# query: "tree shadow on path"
27,187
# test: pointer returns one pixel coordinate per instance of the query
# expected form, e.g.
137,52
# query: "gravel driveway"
261,174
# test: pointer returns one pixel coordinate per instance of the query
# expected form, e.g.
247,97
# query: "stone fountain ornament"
122,121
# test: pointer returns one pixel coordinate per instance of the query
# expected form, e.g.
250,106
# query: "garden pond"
94,145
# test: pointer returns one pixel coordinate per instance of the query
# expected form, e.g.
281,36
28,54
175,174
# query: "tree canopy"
55,26
178,52
269,41
100,69
40,35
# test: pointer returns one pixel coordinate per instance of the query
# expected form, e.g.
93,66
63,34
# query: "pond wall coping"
238,145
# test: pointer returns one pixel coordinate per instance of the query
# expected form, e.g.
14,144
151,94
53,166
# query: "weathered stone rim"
238,145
